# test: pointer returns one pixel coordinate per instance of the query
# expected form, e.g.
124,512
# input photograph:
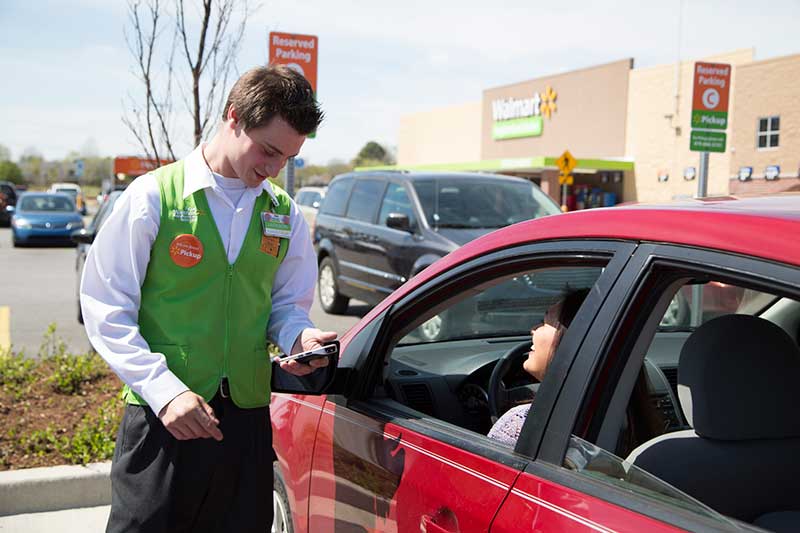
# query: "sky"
68,73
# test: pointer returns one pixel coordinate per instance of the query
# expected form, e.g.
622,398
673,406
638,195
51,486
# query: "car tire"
435,328
282,512
331,300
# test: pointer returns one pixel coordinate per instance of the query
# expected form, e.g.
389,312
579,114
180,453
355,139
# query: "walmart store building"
628,128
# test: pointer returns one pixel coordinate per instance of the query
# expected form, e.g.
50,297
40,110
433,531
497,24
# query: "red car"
637,425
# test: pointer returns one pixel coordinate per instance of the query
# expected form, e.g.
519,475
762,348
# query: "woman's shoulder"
508,427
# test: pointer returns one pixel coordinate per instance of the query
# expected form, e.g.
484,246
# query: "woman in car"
545,338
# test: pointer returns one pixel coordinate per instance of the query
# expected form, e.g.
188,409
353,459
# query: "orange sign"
186,250
712,84
136,166
296,51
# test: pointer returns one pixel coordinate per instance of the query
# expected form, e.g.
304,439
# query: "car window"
300,199
697,303
47,203
396,200
444,364
314,198
104,211
365,199
675,422
335,202
481,203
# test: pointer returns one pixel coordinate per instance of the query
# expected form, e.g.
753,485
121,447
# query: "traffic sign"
707,141
712,84
566,179
298,162
297,51
566,162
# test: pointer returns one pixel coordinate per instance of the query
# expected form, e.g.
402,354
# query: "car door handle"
441,523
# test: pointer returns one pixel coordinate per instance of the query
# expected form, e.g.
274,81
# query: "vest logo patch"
186,250
189,214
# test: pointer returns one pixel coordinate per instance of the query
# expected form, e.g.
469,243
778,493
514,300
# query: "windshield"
480,203
71,192
46,203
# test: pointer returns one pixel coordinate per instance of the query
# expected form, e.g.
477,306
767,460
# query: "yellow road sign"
566,179
566,162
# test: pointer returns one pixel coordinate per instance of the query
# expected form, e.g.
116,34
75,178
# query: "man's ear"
232,116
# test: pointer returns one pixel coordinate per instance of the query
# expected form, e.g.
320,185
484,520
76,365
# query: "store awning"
517,164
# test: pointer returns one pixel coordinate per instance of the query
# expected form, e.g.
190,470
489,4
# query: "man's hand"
309,339
188,416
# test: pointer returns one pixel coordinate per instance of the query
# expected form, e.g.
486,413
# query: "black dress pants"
161,484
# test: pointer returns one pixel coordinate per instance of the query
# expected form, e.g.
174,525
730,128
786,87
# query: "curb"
33,490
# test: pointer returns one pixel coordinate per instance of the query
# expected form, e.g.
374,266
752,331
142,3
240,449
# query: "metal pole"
290,177
564,198
702,180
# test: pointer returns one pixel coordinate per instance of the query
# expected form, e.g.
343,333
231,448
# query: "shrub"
16,373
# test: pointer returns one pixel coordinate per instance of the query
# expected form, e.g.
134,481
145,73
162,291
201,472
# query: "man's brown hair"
262,93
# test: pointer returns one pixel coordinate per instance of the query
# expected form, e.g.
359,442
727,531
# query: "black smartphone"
304,357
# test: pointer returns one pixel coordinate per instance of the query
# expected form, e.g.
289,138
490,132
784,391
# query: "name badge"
276,225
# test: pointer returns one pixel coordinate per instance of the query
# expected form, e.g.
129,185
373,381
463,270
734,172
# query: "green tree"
10,171
5,153
373,153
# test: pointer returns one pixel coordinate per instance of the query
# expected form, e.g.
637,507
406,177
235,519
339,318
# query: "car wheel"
282,513
677,313
435,328
329,297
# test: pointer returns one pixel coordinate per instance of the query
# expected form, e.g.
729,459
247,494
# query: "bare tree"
210,58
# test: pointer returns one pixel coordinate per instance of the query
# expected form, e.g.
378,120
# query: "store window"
768,132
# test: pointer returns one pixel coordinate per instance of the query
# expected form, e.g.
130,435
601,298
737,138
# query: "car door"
579,480
359,261
405,448
397,249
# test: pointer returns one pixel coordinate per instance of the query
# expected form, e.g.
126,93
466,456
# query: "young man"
199,264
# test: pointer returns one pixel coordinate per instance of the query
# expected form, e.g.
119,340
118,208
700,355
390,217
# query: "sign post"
299,52
712,84
565,164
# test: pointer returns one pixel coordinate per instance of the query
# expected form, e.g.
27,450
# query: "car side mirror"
315,383
10,209
82,236
315,204
398,221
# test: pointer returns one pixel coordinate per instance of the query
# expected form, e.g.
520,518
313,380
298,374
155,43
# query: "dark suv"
375,230
8,196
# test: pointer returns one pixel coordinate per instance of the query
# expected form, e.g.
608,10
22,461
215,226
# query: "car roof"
65,186
764,227
416,175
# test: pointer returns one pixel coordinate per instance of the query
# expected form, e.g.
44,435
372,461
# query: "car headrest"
738,379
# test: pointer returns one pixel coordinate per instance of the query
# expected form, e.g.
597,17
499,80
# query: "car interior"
691,405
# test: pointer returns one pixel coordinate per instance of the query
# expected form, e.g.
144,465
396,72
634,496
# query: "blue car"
44,218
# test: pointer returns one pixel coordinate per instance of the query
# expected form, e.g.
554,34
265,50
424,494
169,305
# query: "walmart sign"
522,117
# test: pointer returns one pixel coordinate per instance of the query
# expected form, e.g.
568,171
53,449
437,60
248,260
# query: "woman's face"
544,341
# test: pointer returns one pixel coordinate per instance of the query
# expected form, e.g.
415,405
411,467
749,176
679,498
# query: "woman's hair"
568,307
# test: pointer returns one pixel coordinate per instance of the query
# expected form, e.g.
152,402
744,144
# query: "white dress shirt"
117,263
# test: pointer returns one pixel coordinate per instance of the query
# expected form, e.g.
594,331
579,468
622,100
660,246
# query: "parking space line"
5,328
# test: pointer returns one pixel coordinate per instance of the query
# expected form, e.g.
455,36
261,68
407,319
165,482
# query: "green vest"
210,320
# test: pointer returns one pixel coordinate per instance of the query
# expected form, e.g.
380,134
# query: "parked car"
375,230
308,200
44,218
635,427
74,190
8,198
84,238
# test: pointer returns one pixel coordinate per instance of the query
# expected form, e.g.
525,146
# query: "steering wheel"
501,399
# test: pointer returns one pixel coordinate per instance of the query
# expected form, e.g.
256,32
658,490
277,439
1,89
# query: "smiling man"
199,264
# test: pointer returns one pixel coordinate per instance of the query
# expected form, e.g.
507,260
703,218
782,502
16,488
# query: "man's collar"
197,176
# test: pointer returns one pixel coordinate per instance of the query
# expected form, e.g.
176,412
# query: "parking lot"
38,287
